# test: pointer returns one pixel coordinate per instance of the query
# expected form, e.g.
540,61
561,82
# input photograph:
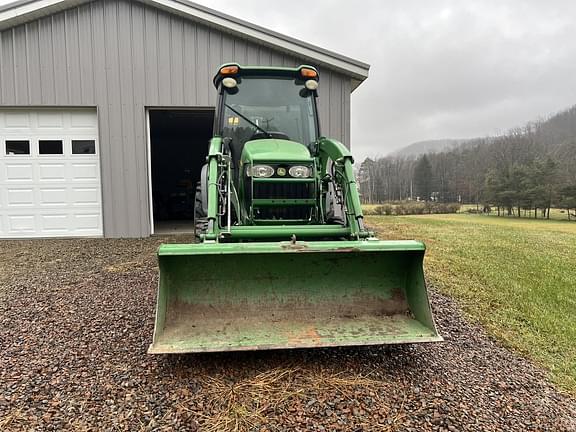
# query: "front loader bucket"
252,296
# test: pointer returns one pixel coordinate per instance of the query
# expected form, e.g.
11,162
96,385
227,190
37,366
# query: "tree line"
530,168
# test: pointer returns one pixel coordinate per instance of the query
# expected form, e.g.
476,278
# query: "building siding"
121,57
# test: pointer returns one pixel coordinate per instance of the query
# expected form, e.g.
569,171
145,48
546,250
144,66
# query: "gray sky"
439,68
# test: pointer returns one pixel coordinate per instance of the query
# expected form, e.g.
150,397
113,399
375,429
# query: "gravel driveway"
77,316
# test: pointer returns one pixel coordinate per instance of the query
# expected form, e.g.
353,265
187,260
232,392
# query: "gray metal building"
96,98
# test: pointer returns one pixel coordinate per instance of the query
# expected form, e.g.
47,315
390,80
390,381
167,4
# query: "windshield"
268,107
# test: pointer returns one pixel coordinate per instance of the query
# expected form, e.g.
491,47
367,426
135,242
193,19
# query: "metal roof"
23,11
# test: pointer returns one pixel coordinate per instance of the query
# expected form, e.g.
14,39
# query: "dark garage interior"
179,145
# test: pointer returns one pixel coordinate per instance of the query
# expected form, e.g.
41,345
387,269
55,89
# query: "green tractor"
283,258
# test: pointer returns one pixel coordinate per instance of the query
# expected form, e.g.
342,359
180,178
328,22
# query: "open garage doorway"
179,141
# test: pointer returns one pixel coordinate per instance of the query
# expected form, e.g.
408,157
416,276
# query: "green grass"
517,277
555,213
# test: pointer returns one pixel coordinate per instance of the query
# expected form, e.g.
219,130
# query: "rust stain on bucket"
310,334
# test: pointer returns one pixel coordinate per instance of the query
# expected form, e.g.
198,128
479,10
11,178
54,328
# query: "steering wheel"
271,134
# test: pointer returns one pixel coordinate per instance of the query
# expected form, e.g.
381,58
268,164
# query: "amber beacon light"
229,70
308,73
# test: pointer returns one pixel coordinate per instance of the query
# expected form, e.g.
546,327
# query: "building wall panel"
8,84
73,56
33,70
20,64
86,54
121,57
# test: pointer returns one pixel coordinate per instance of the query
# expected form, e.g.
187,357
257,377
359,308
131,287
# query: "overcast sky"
439,68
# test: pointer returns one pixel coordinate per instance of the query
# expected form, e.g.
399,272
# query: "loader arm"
214,160
332,150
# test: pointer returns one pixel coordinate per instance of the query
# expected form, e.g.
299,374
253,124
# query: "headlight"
261,171
299,171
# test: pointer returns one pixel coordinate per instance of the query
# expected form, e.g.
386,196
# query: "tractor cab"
258,103
268,122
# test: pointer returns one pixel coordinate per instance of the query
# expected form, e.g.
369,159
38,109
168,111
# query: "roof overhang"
23,11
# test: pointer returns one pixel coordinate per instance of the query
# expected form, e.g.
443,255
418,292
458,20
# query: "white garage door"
49,173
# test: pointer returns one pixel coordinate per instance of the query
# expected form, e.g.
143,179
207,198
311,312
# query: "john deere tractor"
283,258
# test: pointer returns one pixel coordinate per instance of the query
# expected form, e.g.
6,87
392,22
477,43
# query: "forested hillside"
429,146
529,167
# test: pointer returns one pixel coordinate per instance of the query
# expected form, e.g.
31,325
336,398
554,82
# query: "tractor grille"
287,190
266,190
297,212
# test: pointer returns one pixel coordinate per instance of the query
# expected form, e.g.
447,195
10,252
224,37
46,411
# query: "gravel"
76,319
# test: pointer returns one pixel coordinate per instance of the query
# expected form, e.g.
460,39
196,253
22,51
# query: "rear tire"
200,219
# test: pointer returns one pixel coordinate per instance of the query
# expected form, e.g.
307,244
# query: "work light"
311,84
229,82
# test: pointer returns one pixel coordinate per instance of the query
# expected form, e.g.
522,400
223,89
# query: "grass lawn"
516,276
555,213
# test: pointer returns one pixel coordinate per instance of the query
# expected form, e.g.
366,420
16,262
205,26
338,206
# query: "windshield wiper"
268,134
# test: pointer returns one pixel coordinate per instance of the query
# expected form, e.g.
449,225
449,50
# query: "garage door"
49,173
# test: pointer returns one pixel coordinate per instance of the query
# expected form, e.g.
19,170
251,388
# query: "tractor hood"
271,150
